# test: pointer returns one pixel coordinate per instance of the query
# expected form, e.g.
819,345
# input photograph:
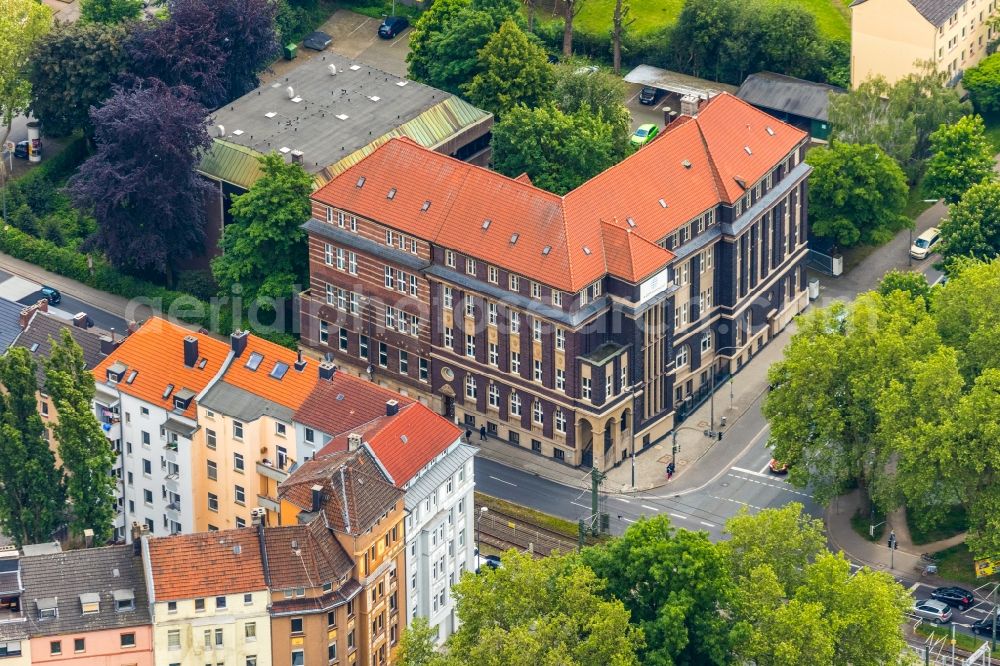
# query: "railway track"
503,531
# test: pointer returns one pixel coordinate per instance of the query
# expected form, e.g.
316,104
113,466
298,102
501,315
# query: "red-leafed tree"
140,184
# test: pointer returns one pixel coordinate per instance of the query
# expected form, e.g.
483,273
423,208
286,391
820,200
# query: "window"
296,625
491,310
250,631
329,294
240,495
298,658
363,346
238,463
147,496
449,337
449,297
536,290
494,354
682,357
470,306
585,388
515,362
515,321
424,370
560,379
145,438
213,505
213,470
352,262
383,355
341,259
470,345
324,332
449,258
493,274
171,606
218,638
237,430
210,440
413,285
556,298
79,644
251,658
389,277
515,404
147,467
536,329
624,373
706,341
609,385
470,386
538,370
126,640
331,652
537,415
560,339
173,639
342,339
247,599
350,634
55,647
470,266
560,419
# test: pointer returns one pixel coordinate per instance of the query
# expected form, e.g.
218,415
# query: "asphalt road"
69,306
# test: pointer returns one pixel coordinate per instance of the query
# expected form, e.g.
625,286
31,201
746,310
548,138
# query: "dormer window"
124,600
116,372
90,602
48,608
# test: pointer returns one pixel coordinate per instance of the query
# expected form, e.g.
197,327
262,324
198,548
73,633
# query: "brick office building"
581,326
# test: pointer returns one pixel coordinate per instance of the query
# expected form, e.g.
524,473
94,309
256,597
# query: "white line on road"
750,471
621,499
578,504
786,488
360,25
677,515
627,520
913,588
502,481
398,39
764,469
706,524
649,508
736,501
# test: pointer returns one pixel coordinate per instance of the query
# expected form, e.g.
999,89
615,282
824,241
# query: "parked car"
925,243
777,467
644,134
392,26
984,627
933,610
317,41
954,596
51,294
649,95
21,150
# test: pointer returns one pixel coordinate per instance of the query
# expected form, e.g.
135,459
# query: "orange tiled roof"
156,351
693,166
290,391
206,564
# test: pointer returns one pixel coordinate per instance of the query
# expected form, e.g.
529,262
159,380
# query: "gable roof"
304,556
935,11
205,564
355,493
10,323
788,94
694,165
43,328
156,353
97,573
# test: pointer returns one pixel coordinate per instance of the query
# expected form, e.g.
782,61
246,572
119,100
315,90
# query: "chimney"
80,320
239,341
136,538
25,316
317,497
391,407
43,304
133,326
297,156
327,370
88,538
108,345
258,517
689,105
300,365
190,350
353,441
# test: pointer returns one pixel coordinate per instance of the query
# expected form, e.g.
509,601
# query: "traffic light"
720,435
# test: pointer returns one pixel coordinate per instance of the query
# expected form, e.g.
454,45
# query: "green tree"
110,11
961,156
72,69
972,228
264,248
22,23
699,39
416,645
31,488
912,282
983,84
556,150
545,611
673,583
856,194
85,452
597,93
513,70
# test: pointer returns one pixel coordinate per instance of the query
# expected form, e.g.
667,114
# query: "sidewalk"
650,464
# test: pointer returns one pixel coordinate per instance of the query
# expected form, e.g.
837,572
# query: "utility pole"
993,644
596,477
892,548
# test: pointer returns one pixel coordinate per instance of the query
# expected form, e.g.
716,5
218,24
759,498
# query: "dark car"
21,150
51,294
648,95
317,41
392,26
954,596
984,627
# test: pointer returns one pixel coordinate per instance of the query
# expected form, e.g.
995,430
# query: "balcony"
268,503
274,472
112,429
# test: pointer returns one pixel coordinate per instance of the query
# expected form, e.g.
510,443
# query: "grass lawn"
861,522
956,563
962,641
954,523
915,204
832,16
565,527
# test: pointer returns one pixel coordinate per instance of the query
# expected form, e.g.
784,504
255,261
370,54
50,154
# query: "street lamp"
711,417
630,428
675,447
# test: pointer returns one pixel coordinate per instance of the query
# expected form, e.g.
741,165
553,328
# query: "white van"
924,245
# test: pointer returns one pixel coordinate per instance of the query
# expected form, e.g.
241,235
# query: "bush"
200,283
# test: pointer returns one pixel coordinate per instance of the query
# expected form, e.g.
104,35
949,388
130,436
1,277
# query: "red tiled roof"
290,391
156,350
206,564
631,256
463,196
304,556
345,402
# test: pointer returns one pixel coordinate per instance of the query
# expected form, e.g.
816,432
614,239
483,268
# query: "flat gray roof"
326,116
682,84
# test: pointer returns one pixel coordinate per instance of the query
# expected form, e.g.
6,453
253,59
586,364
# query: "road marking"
621,499
632,98
736,501
361,25
502,481
786,488
913,588
650,508
677,515
706,524
578,504
750,471
627,520
398,39
764,469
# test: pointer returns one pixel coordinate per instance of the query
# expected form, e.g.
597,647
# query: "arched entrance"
585,440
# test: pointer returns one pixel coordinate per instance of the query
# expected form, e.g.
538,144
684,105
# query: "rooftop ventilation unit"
332,69
586,250
663,204
342,116
425,206
361,182
546,250
391,194
221,129
747,148
769,130
686,164
290,91
514,237
486,223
